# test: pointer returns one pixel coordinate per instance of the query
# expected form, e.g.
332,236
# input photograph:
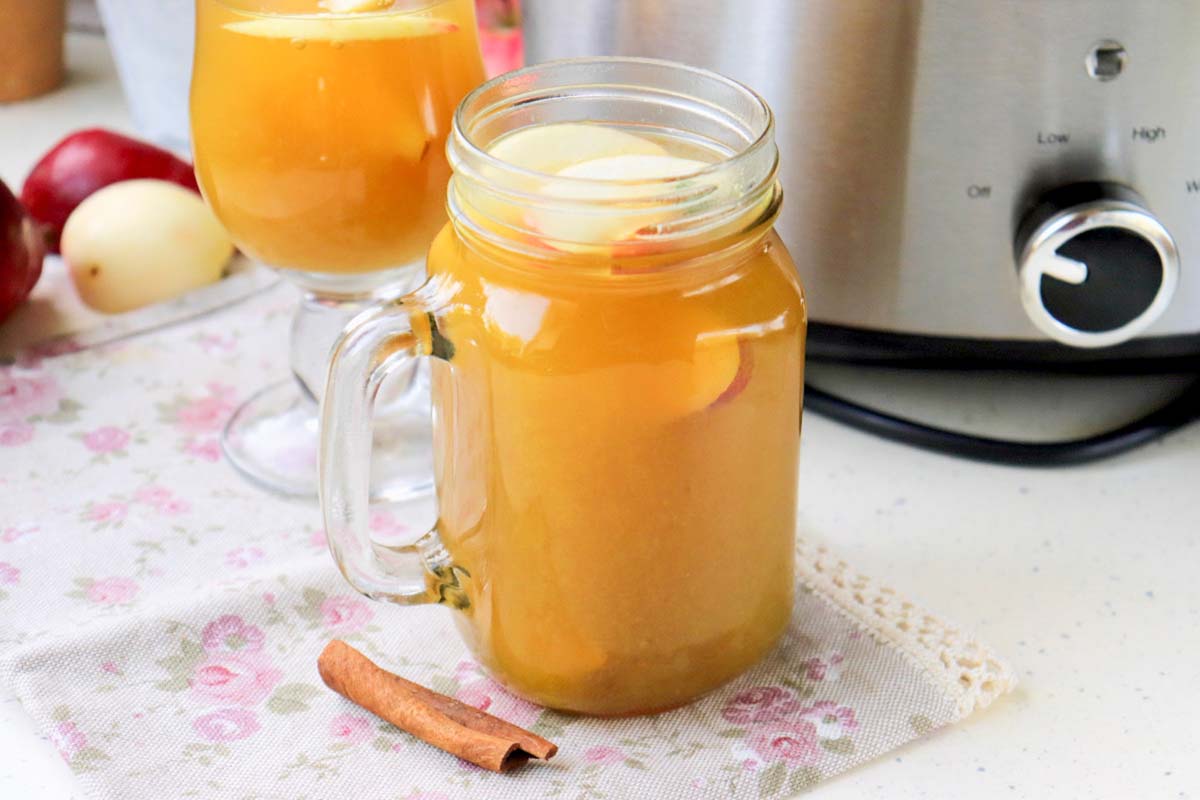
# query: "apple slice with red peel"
715,369
546,149
690,382
741,378
610,182
634,167
324,28
665,391
558,146
691,363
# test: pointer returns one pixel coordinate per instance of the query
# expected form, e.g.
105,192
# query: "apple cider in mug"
621,339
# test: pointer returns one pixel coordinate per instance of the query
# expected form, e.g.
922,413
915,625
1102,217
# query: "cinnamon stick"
442,721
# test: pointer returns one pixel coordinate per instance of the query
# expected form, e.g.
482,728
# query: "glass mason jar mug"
617,336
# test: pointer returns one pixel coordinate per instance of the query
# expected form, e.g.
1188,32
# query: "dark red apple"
22,248
89,160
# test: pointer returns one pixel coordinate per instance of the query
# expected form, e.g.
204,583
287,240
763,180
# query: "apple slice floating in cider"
612,180
553,148
634,167
354,6
709,373
327,28
546,149
741,378
715,370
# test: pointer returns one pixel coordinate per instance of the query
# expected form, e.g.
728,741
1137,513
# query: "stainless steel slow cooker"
1011,179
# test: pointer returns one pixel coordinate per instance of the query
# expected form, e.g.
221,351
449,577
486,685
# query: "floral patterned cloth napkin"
160,619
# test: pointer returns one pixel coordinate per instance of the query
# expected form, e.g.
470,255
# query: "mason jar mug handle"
376,343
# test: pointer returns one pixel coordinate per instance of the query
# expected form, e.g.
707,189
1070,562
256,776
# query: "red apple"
89,160
22,248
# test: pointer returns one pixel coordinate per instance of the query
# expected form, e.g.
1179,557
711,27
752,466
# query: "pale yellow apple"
140,242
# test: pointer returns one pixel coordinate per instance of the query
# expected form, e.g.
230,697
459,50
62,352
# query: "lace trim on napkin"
969,672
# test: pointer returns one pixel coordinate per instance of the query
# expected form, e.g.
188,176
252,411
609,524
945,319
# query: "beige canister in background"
31,47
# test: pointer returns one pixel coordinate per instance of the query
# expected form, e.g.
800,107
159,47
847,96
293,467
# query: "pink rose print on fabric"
111,668
794,743
830,720
231,634
206,414
26,393
345,614
478,690
107,512
15,434
827,667
604,755
207,449
13,534
153,495
747,758
242,557
227,725
174,507
112,591
318,540
351,728
385,527
106,440
68,739
162,499
9,575
242,678
761,704
217,343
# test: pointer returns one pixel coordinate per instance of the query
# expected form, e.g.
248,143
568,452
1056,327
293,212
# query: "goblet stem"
272,438
328,303
315,327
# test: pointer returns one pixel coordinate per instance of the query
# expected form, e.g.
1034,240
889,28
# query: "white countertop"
1084,579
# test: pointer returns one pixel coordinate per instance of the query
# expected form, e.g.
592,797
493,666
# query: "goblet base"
272,440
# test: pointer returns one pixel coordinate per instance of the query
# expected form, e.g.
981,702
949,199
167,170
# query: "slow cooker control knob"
1096,268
